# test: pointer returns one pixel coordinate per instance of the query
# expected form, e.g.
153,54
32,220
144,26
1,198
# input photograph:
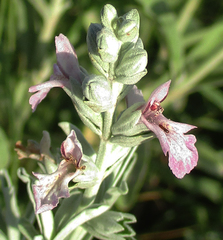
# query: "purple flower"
67,67
53,186
183,155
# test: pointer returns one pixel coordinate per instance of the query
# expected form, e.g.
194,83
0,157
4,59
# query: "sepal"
90,118
90,176
132,65
108,16
96,60
127,29
128,123
97,93
131,79
108,45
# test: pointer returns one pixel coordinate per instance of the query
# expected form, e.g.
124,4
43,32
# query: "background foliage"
185,44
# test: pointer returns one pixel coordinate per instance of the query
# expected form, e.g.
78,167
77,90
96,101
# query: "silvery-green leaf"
131,141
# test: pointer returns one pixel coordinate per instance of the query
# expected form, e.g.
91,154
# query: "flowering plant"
86,183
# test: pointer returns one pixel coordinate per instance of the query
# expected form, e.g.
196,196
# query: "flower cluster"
116,50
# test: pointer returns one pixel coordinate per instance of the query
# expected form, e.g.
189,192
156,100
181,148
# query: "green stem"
108,119
187,13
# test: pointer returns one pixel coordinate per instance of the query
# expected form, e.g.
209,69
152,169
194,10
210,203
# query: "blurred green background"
184,40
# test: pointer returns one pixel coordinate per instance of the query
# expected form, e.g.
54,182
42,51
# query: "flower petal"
160,93
71,148
43,89
183,155
183,160
53,186
67,58
37,98
134,96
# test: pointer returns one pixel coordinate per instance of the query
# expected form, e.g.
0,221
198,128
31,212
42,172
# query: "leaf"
4,149
84,216
211,41
213,94
126,141
67,209
48,224
12,213
27,229
136,175
111,226
173,41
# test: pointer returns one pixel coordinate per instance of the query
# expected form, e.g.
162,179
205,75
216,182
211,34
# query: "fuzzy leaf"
111,226
128,141
67,209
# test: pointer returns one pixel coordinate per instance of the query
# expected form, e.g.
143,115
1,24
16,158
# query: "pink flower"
53,186
183,155
67,68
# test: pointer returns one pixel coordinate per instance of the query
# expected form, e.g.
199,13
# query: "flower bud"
108,45
131,68
97,91
108,15
127,31
127,27
96,60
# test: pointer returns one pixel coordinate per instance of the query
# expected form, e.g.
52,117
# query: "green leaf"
213,94
82,217
47,219
211,159
172,37
211,41
27,229
2,235
111,226
136,175
126,141
67,209
4,149
12,213
113,193
26,178
208,187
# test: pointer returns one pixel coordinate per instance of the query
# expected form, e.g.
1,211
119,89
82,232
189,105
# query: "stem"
108,119
187,13
90,193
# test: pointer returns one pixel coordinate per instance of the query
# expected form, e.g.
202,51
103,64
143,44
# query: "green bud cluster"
115,48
